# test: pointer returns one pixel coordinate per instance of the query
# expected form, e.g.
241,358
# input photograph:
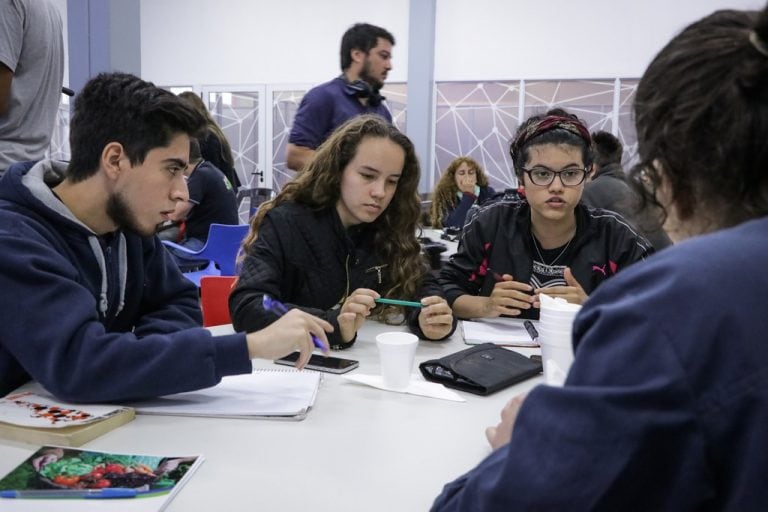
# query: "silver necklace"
536,246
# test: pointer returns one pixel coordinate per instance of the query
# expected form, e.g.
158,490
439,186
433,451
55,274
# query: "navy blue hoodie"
96,318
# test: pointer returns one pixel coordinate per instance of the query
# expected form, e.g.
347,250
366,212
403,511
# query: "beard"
365,74
123,217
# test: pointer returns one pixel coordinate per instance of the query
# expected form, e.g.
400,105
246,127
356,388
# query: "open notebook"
500,331
265,393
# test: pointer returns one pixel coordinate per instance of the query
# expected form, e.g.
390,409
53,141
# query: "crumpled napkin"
418,386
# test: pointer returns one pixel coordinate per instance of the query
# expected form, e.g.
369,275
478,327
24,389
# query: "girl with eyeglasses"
511,251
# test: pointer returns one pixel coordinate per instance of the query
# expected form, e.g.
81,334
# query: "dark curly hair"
319,187
701,111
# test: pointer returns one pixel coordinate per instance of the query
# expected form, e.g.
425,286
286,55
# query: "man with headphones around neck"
366,59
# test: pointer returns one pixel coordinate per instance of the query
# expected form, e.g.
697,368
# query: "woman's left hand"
435,318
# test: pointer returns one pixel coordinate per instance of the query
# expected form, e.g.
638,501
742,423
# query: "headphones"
362,89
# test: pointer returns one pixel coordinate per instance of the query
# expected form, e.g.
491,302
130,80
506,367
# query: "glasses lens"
572,177
541,176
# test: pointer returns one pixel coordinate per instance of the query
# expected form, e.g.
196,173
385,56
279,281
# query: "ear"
592,172
358,55
111,157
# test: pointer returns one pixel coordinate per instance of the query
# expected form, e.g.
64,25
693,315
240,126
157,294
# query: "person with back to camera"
341,235
93,306
366,59
511,251
31,74
608,189
214,146
666,403
462,185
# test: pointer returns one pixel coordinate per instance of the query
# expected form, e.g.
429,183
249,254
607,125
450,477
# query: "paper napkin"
418,386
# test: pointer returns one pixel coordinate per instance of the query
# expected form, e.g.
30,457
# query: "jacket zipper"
378,270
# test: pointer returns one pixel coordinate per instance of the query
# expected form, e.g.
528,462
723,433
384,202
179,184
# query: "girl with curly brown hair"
462,185
342,234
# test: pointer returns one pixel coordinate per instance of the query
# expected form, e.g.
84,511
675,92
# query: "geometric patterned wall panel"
592,101
477,120
284,105
626,125
237,113
59,148
471,118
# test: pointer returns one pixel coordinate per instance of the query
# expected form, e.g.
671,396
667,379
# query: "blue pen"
278,308
103,494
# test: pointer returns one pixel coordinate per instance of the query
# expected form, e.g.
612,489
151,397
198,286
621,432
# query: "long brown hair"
444,195
197,103
319,187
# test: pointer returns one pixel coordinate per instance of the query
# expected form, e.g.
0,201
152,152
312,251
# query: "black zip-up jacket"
307,259
499,236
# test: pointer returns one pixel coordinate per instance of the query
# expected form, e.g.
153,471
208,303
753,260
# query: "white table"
359,448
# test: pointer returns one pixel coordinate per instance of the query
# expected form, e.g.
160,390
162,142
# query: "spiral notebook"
265,393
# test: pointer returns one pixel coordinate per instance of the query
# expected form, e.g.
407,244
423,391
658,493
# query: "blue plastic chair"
221,250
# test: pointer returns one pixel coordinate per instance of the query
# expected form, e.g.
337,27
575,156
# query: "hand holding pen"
355,310
293,331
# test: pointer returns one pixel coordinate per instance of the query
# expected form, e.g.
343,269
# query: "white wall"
186,42
559,39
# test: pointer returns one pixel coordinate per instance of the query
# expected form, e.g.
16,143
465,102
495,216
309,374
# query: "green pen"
396,302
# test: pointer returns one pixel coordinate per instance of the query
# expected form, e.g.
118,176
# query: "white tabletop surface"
359,448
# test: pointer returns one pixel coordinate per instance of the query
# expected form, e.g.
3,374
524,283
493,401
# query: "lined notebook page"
501,331
267,393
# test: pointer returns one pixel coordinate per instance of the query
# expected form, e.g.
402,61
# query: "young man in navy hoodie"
93,307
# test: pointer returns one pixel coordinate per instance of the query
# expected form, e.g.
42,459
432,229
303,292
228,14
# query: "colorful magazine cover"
65,473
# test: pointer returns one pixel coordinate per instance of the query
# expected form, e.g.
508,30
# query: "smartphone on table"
321,363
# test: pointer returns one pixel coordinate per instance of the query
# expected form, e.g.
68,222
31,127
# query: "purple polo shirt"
326,107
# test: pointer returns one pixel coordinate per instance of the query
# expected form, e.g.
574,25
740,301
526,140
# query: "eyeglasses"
542,176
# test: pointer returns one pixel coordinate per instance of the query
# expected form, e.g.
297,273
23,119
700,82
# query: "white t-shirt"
32,46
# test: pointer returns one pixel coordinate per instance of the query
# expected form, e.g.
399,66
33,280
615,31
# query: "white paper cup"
397,351
555,336
556,360
556,352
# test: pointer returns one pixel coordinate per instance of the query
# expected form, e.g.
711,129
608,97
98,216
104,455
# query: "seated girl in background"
462,185
340,235
511,251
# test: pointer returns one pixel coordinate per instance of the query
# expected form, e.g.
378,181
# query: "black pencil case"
482,369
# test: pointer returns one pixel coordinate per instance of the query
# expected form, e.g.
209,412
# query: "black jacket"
306,259
499,236
609,190
456,215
